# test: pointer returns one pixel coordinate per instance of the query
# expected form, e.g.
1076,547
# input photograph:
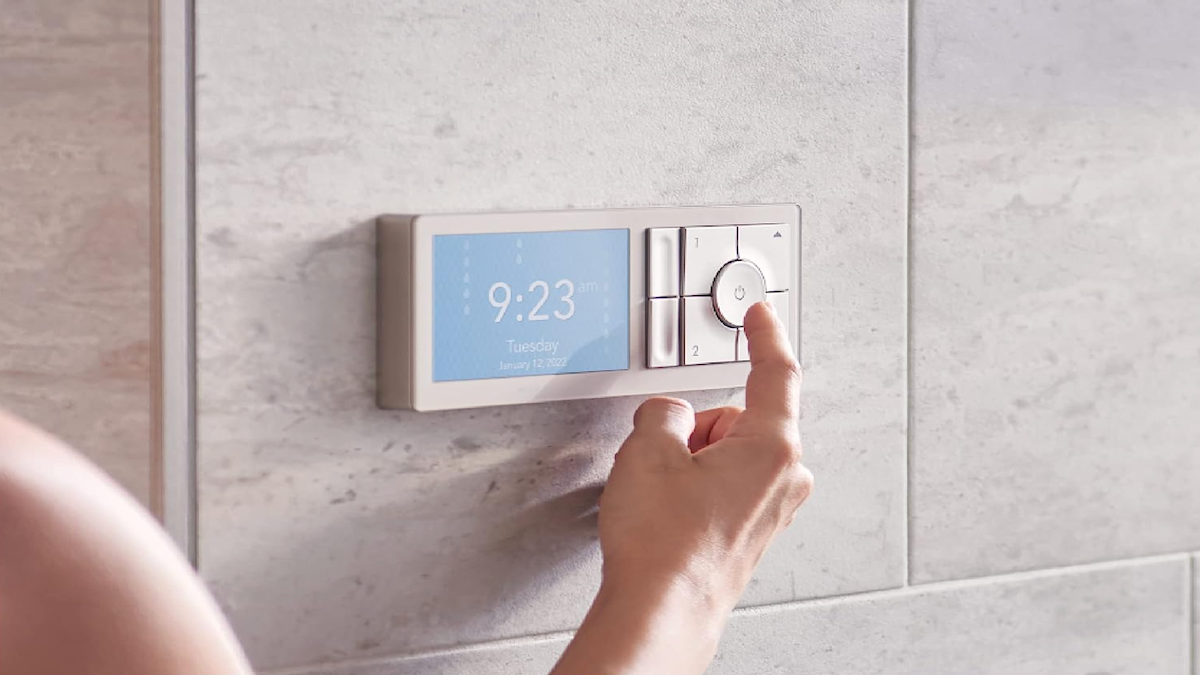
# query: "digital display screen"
530,303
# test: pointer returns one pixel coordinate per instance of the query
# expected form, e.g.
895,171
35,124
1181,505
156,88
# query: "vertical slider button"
662,333
662,262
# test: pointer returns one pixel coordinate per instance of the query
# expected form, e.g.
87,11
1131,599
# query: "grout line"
1189,611
975,582
176,301
864,596
373,661
157,482
908,294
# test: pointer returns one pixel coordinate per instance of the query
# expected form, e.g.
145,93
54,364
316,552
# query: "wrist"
647,624
699,583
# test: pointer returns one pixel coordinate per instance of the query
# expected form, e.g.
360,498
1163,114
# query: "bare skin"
88,581
691,505
90,584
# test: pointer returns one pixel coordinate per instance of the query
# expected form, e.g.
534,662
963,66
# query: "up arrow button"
770,247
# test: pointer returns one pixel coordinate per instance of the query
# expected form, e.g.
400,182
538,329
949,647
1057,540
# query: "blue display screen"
530,303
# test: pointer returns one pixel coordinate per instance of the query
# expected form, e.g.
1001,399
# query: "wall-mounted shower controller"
496,309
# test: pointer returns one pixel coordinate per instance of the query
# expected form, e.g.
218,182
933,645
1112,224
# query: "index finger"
773,387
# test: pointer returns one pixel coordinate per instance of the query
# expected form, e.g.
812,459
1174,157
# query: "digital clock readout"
530,303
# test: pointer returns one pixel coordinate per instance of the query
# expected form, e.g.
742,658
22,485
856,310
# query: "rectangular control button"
705,338
705,251
769,247
779,302
662,262
662,333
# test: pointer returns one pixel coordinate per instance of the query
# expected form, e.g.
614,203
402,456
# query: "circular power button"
736,288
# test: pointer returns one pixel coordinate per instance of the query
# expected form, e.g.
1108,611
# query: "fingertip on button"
738,286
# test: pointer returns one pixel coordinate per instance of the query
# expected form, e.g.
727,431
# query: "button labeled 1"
705,251
705,338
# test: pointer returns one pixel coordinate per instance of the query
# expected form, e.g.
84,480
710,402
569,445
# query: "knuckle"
660,405
790,367
802,484
667,403
785,455
791,476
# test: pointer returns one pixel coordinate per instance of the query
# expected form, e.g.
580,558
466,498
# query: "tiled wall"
1056,285
75,190
1013,498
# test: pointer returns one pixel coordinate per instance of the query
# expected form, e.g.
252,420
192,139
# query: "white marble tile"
75,223
330,529
1122,620
1056,290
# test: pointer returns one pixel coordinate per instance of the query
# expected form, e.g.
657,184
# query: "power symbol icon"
738,285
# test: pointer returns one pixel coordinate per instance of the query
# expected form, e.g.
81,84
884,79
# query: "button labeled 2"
705,338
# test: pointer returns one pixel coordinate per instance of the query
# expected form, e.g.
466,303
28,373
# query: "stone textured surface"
1119,621
332,530
75,226
1055,284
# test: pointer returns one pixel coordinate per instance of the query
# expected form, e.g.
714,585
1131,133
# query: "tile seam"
879,594
908,290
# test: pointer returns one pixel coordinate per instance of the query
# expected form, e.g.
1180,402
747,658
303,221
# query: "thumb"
669,421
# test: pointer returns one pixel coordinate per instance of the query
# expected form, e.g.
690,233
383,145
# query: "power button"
738,286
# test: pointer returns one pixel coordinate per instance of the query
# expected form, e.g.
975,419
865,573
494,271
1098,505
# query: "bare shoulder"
75,551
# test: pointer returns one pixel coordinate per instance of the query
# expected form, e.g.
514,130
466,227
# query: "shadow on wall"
423,530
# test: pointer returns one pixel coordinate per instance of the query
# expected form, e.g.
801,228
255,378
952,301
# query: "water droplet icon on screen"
466,244
466,293
518,258
519,244
466,262
467,278
466,310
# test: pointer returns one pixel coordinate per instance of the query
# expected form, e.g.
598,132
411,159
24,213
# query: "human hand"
690,507
700,496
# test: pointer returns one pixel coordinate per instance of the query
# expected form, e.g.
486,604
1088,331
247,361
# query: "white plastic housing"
405,307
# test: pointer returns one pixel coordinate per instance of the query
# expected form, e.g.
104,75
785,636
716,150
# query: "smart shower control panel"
495,309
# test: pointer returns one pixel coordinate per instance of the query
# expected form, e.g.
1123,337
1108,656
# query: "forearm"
646,627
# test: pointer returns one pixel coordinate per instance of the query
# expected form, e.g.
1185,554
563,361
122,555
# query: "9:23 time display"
515,304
